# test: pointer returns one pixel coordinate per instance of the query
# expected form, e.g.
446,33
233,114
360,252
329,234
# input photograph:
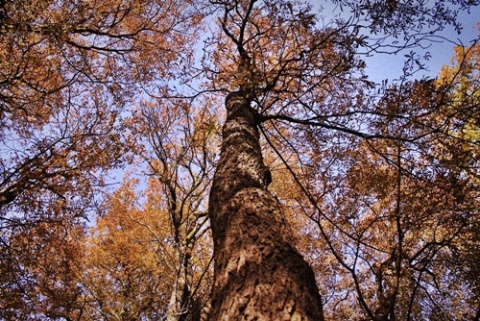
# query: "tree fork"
259,275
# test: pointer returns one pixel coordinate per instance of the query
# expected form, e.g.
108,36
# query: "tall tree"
258,271
282,73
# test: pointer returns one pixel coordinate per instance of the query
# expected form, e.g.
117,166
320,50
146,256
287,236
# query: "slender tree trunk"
259,275
177,308
182,306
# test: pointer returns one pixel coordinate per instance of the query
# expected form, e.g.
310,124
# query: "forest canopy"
236,160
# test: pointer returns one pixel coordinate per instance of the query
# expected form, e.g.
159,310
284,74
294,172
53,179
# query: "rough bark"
259,275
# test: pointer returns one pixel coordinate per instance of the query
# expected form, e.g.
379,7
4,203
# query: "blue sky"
387,66
384,66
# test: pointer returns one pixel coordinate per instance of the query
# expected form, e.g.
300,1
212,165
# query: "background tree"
127,267
131,269
387,234
179,148
148,257
69,70
39,274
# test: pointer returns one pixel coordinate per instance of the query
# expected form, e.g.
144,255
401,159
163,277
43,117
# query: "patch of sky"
434,51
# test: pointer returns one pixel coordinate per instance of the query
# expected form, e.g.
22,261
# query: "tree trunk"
178,306
182,306
259,275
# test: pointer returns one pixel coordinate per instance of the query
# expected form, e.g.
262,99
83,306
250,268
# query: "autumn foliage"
117,189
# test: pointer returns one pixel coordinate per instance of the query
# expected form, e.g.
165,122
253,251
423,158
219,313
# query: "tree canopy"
214,160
